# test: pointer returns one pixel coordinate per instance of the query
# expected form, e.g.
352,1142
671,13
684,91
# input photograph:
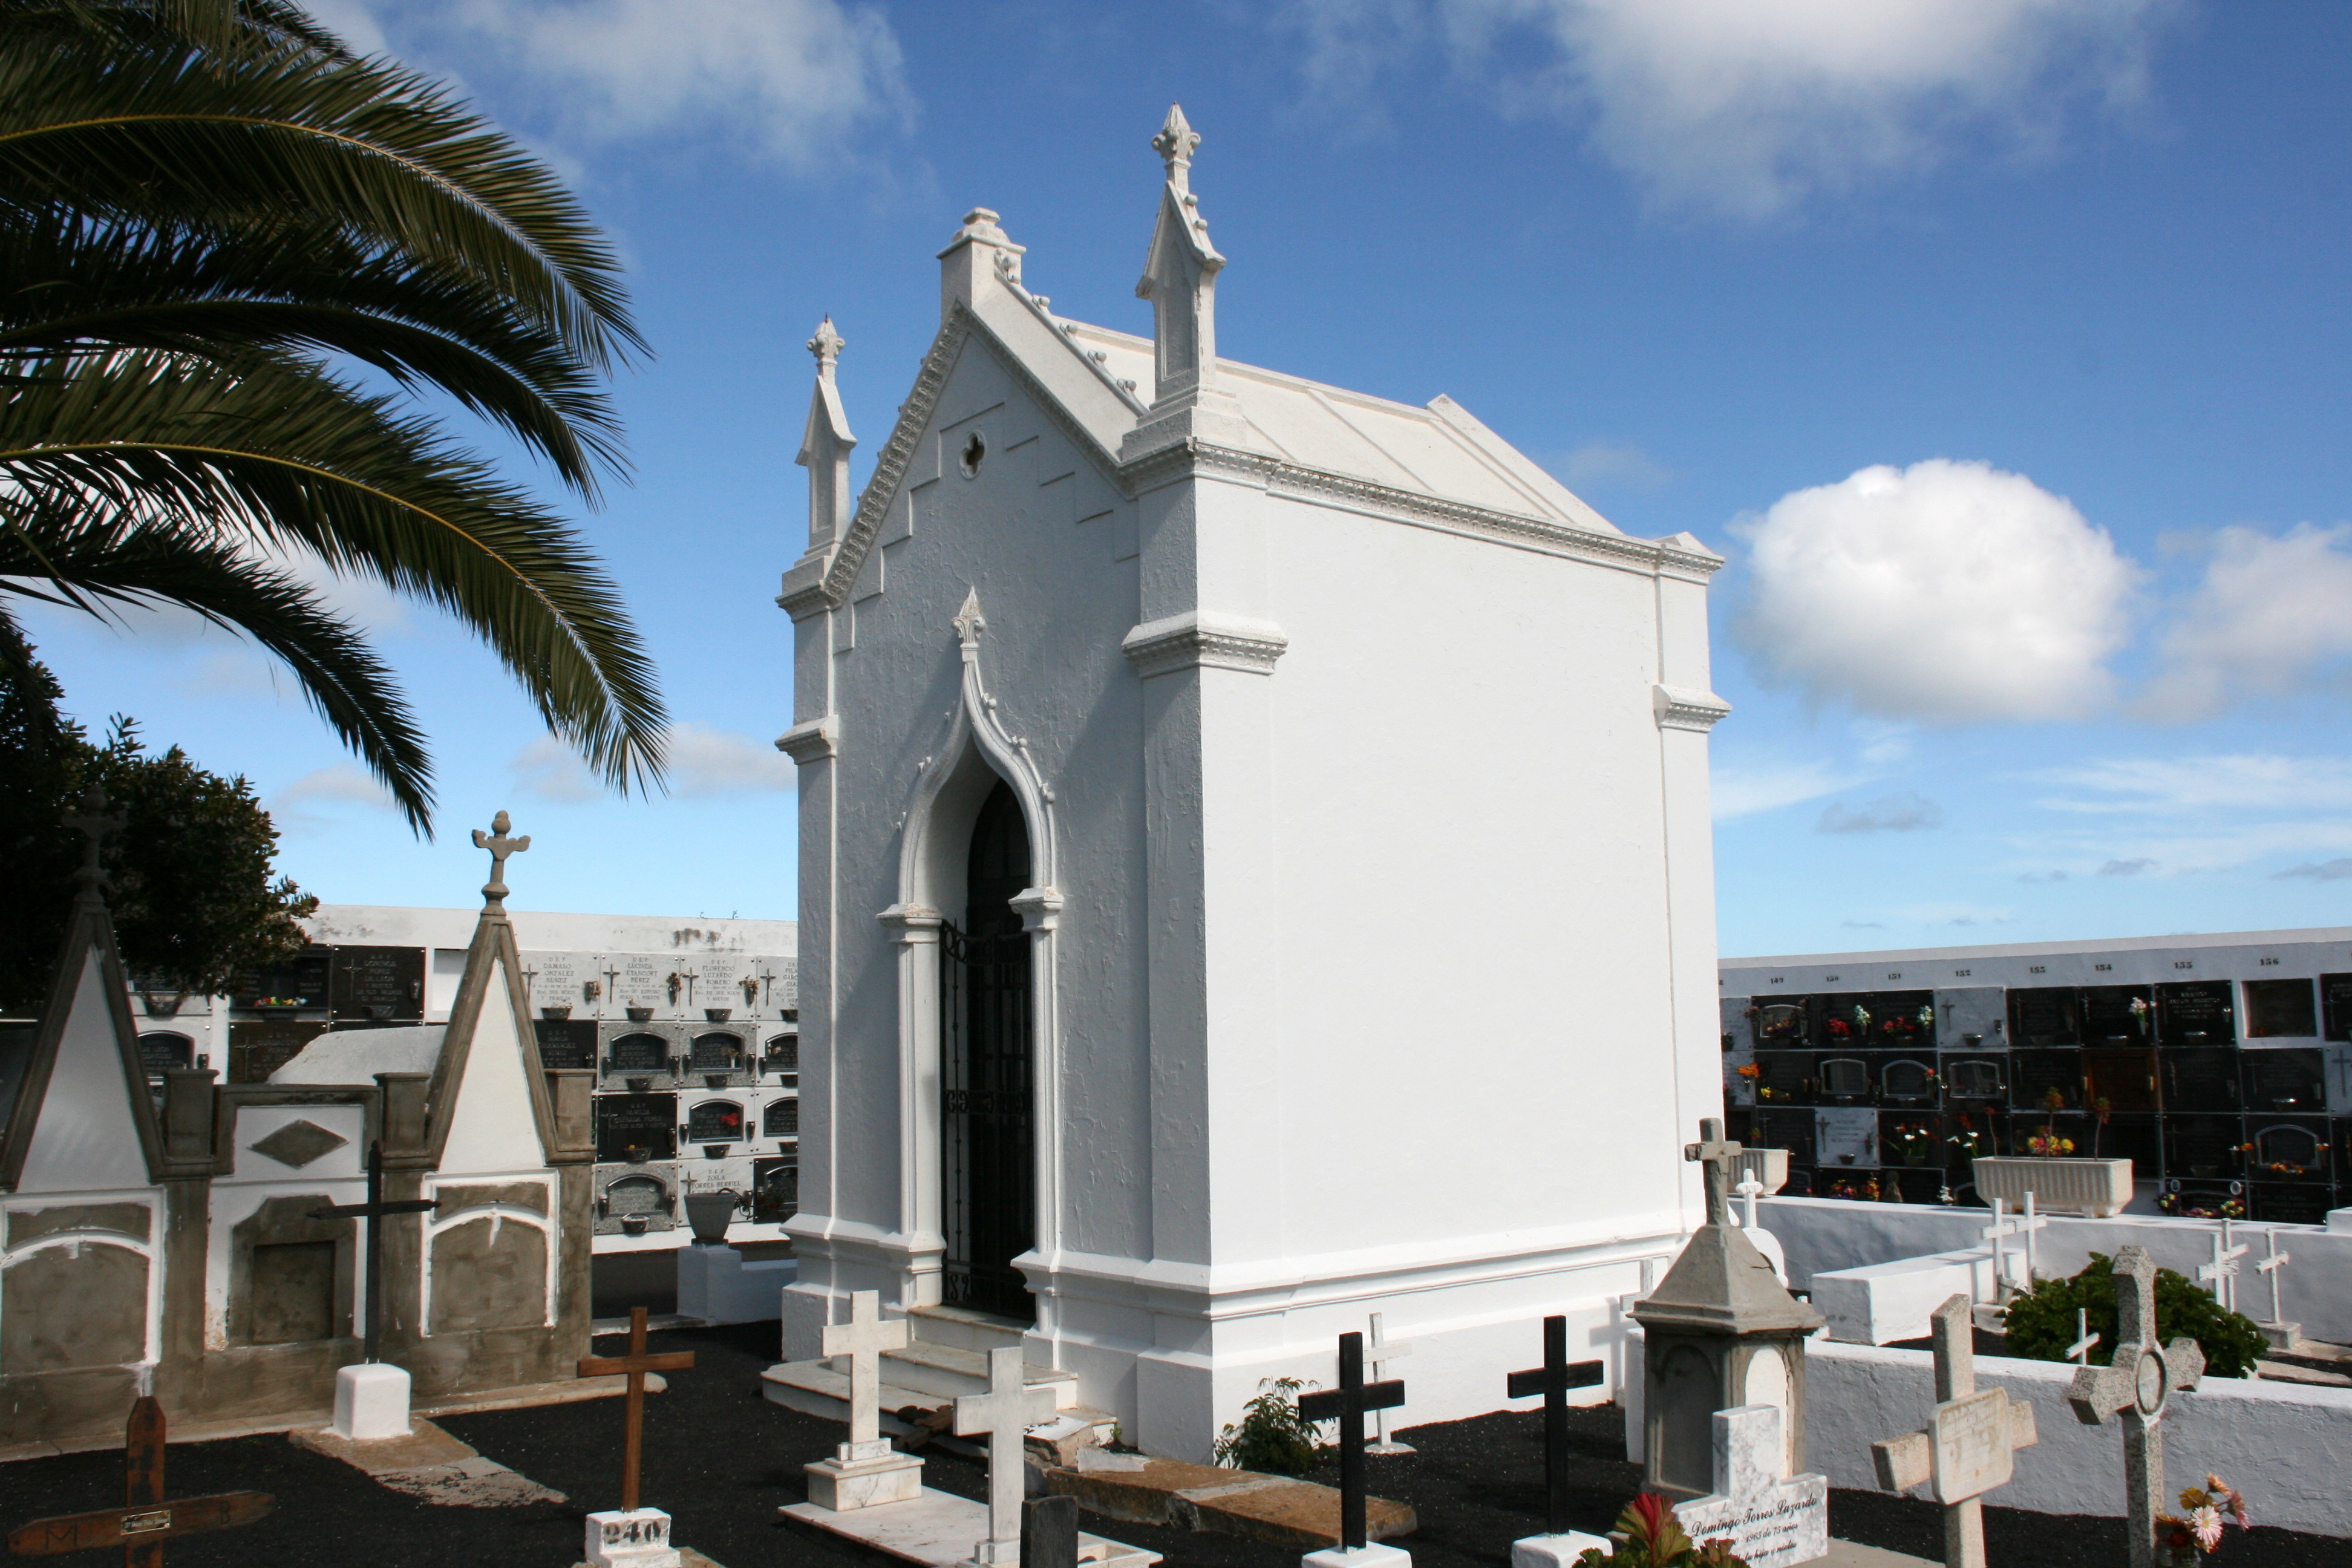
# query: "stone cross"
2006,1225
1005,1413
145,1521
1966,1451
2222,1272
1772,1519
634,1365
1553,1379
372,1243
1750,1189
2079,1351
1347,1405
95,828
2139,1386
1718,1156
863,1339
494,891
1378,1350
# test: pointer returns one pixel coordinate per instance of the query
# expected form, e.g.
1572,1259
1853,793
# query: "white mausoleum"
1203,774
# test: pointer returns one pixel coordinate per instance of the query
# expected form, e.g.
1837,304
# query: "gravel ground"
722,1460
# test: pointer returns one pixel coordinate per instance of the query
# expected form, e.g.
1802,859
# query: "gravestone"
164,1050
714,1051
2125,1076
1558,1546
776,1188
781,1119
2138,1386
714,1121
379,983
1966,1450
865,1470
2287,1149
1347,1405
1842,1077
301,983
637,1052
2200,1077
1975,1078
559,981
2336,1006
1772,1519
259,1046
1005,1413
2203,1147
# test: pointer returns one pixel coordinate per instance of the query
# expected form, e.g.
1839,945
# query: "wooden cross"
636,1364
371,1242
2138,1386
145,1521
494,891
1966,1451
1347,1404
2222,1272
1718,1156
1378,1350
1005,1413
863,1339
1553,1379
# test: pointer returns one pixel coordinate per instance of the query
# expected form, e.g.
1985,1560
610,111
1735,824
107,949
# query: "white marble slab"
940,1530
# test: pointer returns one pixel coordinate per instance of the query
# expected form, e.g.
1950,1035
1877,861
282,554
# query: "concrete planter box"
2095,1188
1769,1167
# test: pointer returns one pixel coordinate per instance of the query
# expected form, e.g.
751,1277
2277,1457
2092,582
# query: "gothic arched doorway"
986,1106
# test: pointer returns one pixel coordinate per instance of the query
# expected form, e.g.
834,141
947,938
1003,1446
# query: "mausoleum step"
961,1328
947,1371
813,1388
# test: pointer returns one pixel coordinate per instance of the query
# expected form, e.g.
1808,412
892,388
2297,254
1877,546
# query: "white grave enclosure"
1255,672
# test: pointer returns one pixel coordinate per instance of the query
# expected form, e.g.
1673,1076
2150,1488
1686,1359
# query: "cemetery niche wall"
2221,1065
175,1244
1098,690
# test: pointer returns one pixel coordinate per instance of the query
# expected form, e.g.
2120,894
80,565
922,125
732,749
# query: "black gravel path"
722,1460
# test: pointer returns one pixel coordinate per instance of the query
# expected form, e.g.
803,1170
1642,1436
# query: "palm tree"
210,213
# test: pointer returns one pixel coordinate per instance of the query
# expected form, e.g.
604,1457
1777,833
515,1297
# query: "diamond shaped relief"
298,1143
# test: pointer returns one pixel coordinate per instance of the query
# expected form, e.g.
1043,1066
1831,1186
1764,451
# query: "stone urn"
717,1015
562,1010
709,1214
641,1015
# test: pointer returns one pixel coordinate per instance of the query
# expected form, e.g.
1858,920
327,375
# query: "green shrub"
1271,1438
1654,1539
2040,1321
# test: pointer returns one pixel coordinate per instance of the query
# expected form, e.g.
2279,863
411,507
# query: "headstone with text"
1773,1519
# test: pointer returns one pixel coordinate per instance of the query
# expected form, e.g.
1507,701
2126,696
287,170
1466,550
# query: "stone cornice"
1685,707
813,742
1196,639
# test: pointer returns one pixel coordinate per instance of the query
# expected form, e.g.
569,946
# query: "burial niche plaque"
715,1053
566,1042
776,1188
2195,1013
637,1127
2281,1009
714,1121
257,1048
2285,1079
1846,1139
300,984
638,1053
781,1119
382,983
2045,1016
2336,1002
2117,1014
163,1051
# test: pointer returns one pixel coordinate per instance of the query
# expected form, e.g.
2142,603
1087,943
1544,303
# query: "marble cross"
1005,1413
1750,1189
2139,1386
1965,1451
1718,1156
862,1341
1378,1350
495,892
2006,1225
2268,1269
2222,1274
2079,1351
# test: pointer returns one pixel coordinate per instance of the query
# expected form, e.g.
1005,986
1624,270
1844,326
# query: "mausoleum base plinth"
860,1475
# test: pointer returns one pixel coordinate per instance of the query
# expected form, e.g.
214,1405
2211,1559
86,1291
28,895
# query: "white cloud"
703,762
1609,465
1904,813
2320,870
794,78
1750,106
2180,815
1945,593
2128,868
1740,790
2270,609
2236,784
344,783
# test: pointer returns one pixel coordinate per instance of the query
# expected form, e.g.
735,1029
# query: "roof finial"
494,894
1175,144
826,345
95,826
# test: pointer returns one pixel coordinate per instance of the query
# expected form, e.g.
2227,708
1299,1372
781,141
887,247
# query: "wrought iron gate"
986,1118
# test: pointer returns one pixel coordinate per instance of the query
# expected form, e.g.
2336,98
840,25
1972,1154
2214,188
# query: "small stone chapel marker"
1558,1546
1966,1450
632,1537
865,1470
2139,1385
145,1521
1347,1405
1005,1413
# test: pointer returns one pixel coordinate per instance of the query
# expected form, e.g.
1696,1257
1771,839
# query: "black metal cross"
1347,1405
370,1211
1553,1379
146,1521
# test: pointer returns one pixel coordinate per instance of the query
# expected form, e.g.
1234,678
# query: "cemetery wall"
2287,1446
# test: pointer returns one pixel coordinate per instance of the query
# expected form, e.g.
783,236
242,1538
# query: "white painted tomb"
1772,1519
1225,671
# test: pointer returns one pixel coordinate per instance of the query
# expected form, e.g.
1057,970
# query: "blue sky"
2004,346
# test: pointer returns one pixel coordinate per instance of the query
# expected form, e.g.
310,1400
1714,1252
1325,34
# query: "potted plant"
2183,1541
1913,1141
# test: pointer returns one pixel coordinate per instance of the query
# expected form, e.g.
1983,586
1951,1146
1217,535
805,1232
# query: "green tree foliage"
210,211
190,890
2040,1321
1271,1440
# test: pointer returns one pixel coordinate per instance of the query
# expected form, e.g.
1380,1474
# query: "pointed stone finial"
1176,144
970,623
826,345
494,891
95,826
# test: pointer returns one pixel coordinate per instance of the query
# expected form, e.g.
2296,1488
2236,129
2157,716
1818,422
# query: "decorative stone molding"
1040,908
813,742
1687,708
1198,639
913,923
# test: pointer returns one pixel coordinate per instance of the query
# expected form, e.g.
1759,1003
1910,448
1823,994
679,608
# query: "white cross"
2079,1351
2006,1225
2139,1386
1966,1450
2271,1265
1750,1189
2222,1272
863,1339
1378,1352
1005,1413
